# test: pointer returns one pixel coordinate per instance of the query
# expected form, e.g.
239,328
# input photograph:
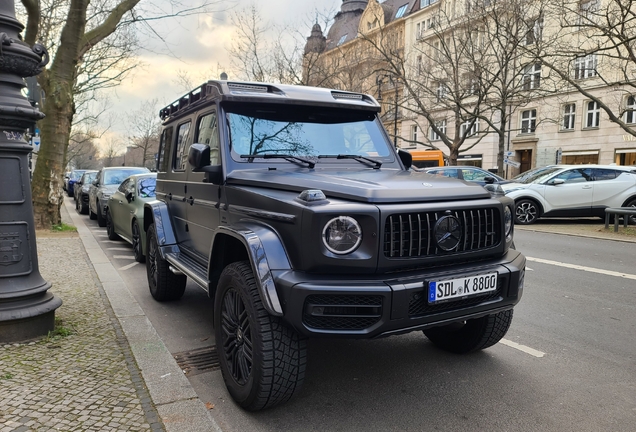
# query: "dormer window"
342,40
401,11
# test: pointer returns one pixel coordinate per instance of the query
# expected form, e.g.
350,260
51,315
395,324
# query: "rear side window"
181,151
166,140
605,174
208,134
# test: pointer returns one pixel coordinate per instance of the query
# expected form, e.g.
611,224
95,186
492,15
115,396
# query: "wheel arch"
631,198
258,244
157,212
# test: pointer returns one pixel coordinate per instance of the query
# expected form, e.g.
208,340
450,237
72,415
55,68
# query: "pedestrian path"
104,368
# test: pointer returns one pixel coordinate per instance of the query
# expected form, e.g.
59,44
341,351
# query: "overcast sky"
197,44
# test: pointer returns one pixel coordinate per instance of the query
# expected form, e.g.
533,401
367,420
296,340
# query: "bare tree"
145,128
596,50
109,153
90,44
82,152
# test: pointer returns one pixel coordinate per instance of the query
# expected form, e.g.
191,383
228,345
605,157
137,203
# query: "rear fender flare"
263,249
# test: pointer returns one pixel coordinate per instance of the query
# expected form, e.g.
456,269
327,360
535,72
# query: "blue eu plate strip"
431,291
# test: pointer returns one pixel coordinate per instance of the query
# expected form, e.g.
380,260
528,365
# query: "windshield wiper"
363,159
287,157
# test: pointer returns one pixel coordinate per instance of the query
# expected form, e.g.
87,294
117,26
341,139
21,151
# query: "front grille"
342,312
419,306
410,235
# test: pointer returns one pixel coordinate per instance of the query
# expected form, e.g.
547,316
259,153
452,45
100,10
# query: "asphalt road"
568,362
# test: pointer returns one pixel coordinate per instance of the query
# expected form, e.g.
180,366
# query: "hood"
108,189
510,186
373,186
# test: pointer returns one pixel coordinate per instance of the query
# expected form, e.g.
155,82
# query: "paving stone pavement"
84,378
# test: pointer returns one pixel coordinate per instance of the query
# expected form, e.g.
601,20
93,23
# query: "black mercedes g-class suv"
291,208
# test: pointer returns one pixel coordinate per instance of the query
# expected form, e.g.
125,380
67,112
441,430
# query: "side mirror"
556,182
129,197
95,182
406,158
489,180
199,156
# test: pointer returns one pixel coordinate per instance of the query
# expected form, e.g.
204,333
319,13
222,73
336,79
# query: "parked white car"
571,191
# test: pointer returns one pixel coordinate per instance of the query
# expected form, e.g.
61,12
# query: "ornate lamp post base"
27,309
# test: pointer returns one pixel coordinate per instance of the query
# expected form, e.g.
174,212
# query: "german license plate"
449,289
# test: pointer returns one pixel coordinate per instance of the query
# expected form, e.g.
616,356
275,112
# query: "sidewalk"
104,368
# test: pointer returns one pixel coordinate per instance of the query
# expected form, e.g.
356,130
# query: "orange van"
427,158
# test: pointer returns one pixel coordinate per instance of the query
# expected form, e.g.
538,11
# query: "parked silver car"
105,184
571,191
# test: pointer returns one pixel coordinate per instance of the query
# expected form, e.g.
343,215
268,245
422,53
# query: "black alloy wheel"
164,285
262,359
110,227
237,337
526,212
136,243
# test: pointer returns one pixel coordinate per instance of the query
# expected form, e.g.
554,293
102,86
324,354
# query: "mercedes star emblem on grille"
448,233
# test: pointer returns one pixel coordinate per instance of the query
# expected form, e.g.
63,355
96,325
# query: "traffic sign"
35,141
509,154
512,163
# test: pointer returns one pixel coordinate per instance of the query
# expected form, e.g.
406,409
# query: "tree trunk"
49,169
56,126
500,153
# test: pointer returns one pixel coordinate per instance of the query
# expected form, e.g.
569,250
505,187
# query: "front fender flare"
265,252
157,212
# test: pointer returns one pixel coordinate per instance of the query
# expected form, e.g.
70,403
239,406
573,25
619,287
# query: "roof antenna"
223,76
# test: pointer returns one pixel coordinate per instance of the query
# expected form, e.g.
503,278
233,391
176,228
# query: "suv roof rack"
186,101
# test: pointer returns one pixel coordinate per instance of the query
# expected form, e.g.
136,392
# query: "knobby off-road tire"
474,335
262,360
136,243
526,212
101,220
164,285
110,227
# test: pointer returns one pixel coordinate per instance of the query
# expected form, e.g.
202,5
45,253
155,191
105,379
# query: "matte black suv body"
290,207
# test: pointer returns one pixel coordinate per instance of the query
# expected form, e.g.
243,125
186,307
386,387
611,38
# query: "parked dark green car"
125,211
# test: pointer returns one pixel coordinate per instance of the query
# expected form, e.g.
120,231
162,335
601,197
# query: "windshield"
75,175
115,177
88,177
536,175
147,187
304,132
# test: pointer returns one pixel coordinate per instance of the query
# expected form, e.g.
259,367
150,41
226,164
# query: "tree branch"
106,28
33,21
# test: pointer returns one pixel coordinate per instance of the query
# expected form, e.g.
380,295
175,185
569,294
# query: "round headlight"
507,220
342,235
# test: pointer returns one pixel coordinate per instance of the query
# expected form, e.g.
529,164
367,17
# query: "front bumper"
388,304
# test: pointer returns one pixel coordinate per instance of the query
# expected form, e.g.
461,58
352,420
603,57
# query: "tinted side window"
181,150
208,134
122,187
605,174
474,175
576,176
164,148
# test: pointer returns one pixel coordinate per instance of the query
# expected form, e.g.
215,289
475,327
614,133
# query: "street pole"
395,115
27,309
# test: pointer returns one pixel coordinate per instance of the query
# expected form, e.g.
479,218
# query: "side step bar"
184,264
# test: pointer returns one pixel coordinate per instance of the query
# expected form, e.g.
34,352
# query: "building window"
342,40
535,31
419,65
532,76
587,11
425,3
528,121
418,31
401,11
569,115
441,125
592,115
630,110
472,129
413,134
585,66
441,91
